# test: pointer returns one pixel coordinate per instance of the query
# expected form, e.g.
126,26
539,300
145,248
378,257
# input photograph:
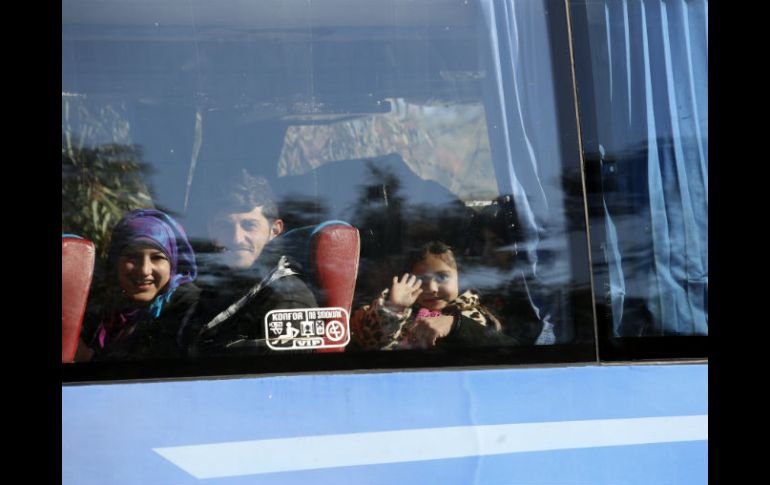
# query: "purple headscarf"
159,229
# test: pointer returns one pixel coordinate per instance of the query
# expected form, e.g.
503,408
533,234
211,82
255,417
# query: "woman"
150,291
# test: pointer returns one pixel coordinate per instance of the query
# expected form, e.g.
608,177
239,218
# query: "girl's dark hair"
433,248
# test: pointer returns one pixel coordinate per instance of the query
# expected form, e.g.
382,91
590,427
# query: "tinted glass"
414,122
642,71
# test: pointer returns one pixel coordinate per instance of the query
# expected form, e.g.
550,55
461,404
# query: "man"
247,274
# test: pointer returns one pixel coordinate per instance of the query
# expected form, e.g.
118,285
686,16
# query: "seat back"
329,253
334,258
77,268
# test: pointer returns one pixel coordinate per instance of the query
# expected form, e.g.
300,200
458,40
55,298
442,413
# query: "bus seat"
329,253
77,267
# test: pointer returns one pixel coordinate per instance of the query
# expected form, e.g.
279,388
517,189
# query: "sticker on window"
307,328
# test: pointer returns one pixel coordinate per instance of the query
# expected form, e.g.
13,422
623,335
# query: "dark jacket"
150,339
514,302
243,332
467,332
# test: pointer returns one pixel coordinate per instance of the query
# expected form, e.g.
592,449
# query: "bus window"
642,67
445,122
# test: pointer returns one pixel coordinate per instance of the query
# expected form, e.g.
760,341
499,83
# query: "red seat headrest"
335,251
77,267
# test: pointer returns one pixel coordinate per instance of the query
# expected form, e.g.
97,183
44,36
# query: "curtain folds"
650,66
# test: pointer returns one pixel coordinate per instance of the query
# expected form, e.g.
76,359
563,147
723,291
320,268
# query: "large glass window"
444,131
642,69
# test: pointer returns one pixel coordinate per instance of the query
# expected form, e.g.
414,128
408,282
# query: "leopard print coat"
375,327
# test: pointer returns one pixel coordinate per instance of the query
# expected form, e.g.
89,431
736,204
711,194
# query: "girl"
150,294
423,309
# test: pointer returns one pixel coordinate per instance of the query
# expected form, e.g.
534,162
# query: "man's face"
242,235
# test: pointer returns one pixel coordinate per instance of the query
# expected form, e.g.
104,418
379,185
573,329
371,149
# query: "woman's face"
143,271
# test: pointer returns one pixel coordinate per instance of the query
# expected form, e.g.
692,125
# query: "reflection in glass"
412,121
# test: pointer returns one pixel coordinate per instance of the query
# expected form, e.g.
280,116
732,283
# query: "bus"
558,147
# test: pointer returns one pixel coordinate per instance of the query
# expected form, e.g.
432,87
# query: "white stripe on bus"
239,458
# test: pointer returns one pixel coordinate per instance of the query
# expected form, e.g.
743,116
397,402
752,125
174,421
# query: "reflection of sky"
488,277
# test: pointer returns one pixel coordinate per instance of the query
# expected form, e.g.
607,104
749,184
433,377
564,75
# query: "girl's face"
143,271
439,283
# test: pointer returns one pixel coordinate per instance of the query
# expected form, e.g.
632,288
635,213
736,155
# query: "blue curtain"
524,140
508,108
649,61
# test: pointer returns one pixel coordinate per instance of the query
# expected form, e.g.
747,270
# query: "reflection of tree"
379,212
299,212
102,171
99,185
392,221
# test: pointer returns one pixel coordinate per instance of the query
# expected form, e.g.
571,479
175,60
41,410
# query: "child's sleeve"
375,327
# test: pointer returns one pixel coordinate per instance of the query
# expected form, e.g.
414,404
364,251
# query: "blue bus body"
617,424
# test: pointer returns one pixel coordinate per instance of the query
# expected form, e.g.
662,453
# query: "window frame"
610,347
